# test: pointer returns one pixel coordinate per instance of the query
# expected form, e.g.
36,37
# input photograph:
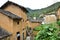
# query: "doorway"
18,35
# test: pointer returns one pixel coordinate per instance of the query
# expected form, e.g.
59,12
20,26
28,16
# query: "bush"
48,32
58,22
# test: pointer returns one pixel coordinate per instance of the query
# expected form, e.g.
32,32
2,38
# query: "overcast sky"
33,4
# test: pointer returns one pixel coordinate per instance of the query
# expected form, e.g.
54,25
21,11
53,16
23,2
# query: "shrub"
48,32
58,22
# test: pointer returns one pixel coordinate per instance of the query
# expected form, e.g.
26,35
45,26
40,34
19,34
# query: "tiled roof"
9,14
36,20
4,33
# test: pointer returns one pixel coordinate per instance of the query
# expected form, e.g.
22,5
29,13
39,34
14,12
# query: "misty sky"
33,4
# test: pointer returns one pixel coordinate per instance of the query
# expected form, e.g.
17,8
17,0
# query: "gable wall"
18,11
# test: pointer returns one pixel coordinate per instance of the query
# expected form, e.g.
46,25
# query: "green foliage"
38,28
58,22
46,10
48,32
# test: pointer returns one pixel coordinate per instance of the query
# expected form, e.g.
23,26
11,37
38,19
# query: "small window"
18,22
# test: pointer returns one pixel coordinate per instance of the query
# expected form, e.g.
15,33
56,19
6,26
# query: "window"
18,22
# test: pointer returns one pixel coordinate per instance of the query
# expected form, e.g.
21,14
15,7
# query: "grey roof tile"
4,33
9,14
36,21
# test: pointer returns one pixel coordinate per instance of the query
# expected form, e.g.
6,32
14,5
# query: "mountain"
29,10
46,10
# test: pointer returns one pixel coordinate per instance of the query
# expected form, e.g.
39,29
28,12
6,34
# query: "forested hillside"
46,10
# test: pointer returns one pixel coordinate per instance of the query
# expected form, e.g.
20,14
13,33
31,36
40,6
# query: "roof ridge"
10,2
